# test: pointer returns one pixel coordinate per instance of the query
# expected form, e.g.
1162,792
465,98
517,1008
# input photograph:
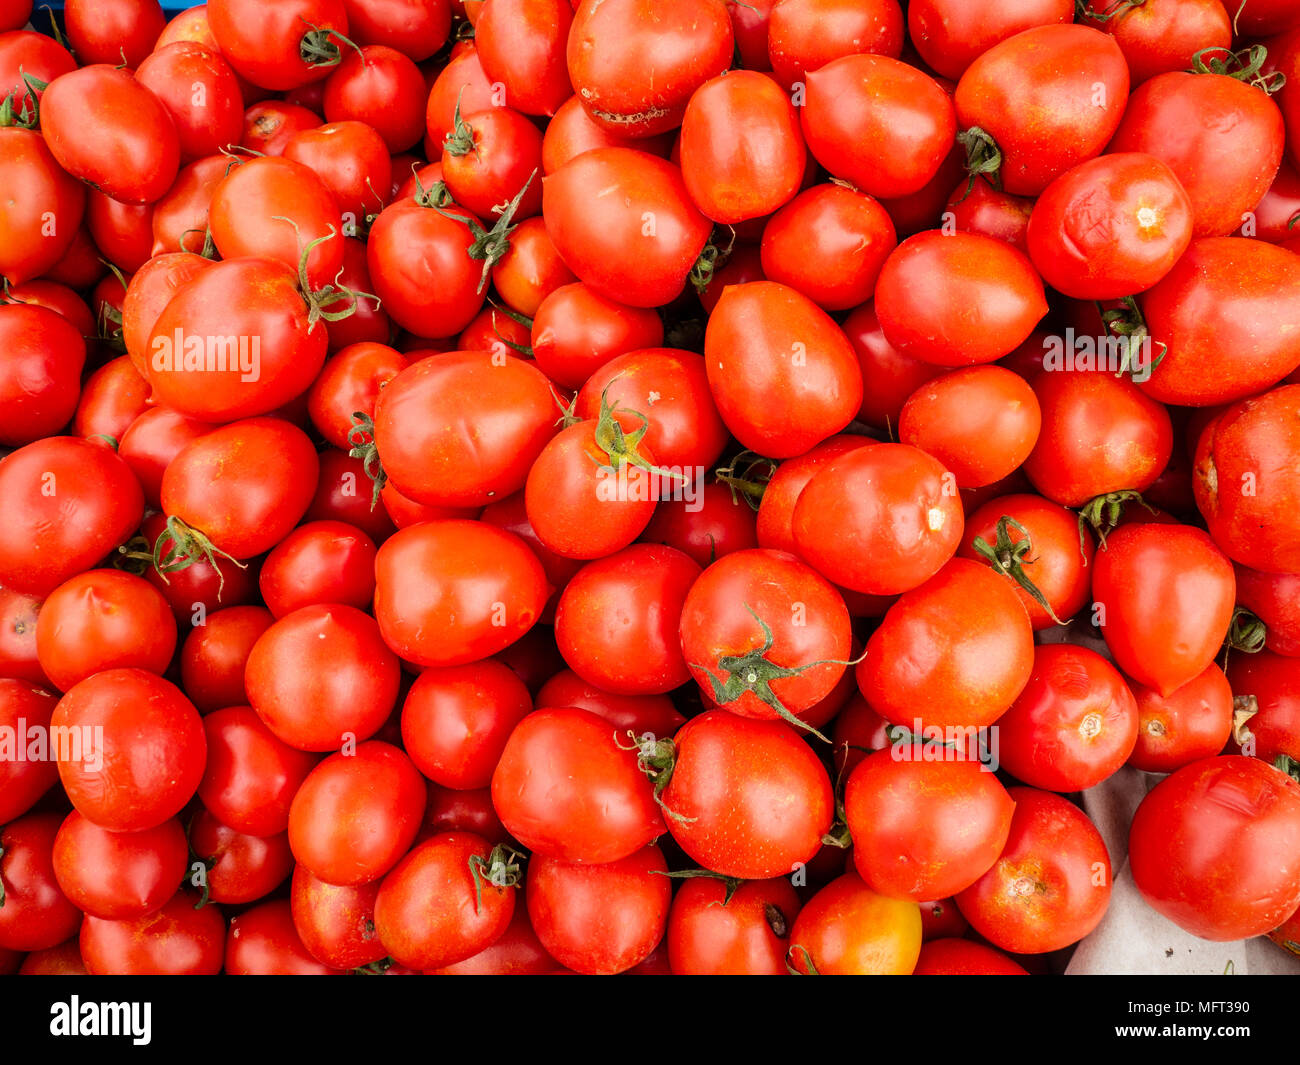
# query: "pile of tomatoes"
692,486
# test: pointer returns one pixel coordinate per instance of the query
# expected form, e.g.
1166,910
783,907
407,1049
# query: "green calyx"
362,439
1009,558
1247,65
490,245
747,476
1103,513
501,869
180,546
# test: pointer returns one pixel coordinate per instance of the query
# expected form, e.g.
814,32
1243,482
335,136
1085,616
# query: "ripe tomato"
846,929
713,525
1074,724
980,208
104,619
1049,98
576,331
462,83
40,381
356,814
449,898
213,656
879,519
140,732
201,93
1051,885
742,152
1215,848
609,816
281,46
335,923
764,635
384,89
1229,145
529,272
1274,598
430,419
452,592
952,34
262,941
1190,723
456,721
1110,227
1100,434
877,123
635,713
68,503
1164,599
177,940
775,523
42,210
599,919
1163,35
419,28
1271,680
634,64
319,562
36,914
928,275
521,44
572,131
745,798
924,829
961,957
321,676
23,780
805,35
717,930
119,875
623,221
135,152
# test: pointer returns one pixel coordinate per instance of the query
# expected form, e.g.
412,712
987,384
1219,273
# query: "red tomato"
627,713
40,381
634,64
1272,682
609,816
1051,885
177,940
1275,599
280,46
714,524
846,929
805,35
336,924
1049,98
456,721
320,562
521,45
137,730
1163,35
214,654
529,272
262,941
1074,724
960,957
1216,848
417,27
1190,723
623,221
576,331
924,829
572,132
880,519
599,919
201,93
39,190
1164,599
119,875
951,34
384,89
36,914
25,711
714,930
977,207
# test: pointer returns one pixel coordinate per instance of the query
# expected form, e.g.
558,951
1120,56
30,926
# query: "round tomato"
846,929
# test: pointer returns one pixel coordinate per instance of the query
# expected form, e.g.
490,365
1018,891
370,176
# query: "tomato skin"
1272,680
1215,847
251,776
456,721
1225,158
610,817
29,52
180,217
1051,885
119,31
1205,317
63,960
572,131
336,924
638,240
1275,599
177,940
878,123
262,941
805,35
981,422
517,952
747,935
463,569
734,178
767,339
214,654
846,929
1110,227
982,209
23,703
1163,36
617,620
961,957
932,272
599,919
576,331
48,537
1051,97
888,538
36,915
1192,722
1100,433
635,713
40,382
634,64
417,28
521,44
924,829
530,271
264,43
504,158
319,562
462,82
952,34
119,875
111,399
428,913
429,423
382,88
136,152
153,749
356,814
183,74
241,508
893,375
747,798
1074,724
103,619
321,675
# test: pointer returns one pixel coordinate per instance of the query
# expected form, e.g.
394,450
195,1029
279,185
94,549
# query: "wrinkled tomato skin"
1215,848
1274,681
